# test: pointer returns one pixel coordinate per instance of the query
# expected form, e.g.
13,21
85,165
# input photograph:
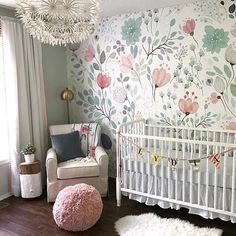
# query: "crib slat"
155,169
215,171
233,179
136,130
149,162
191,170
199,173
207,172
184,167
176,171
224,172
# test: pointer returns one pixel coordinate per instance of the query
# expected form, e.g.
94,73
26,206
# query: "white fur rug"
151,225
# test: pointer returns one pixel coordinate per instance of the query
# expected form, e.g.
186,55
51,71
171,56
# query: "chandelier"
59,22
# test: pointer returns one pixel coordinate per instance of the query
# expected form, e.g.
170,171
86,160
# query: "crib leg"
118,192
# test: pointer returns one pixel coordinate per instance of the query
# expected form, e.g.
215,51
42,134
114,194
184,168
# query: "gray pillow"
67,146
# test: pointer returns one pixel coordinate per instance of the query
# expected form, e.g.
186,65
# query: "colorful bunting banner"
195,163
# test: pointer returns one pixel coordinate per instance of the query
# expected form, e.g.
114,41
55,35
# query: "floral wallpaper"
176,65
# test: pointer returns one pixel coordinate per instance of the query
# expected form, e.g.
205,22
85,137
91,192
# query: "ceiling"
111,7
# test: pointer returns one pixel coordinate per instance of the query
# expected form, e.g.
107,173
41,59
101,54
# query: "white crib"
178,167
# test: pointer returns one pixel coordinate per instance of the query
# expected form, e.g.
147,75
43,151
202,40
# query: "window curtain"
25,96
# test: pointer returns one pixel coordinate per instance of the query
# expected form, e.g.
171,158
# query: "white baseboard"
4,196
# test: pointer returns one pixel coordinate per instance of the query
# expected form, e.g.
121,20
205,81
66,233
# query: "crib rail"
189,167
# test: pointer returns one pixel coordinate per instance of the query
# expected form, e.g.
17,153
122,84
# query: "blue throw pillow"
67,146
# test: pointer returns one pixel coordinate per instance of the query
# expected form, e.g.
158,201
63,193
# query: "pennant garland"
173,162
215,159
156,158
195,163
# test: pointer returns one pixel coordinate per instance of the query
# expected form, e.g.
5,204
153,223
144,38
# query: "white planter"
29,158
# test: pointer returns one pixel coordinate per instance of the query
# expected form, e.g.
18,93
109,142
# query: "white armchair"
93,171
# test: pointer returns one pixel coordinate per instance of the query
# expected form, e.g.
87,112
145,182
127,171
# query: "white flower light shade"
59,22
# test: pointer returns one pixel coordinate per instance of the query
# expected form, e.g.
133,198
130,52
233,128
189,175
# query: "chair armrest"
51,165
102,159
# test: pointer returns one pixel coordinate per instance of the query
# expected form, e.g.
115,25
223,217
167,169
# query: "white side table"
30,179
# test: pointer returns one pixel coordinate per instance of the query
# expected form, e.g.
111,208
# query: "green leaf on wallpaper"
91,68
98,49
233,102
144,39
77,65
86,111
180,37
227,71
79,103
95,66
102,102
91,76
109,102
113,112
90,115
217,70
80,95
113,55
162,51
90,83
172,22
119,80
210,73
155,43
124,119
160,56
90,100
126,78
80,73
149,40
173,34
85,93
96,100
97,114
169,50
163,39
148,70
170,43
102,57
215,59
157,33
233,89
113,124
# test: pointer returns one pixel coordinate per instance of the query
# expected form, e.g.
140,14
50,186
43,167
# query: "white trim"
4,162
4,196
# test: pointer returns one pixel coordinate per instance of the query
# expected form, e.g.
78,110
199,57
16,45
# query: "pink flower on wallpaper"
189,27
188,105
214,97
160,77
89,53
103,80
84,130
126,63
231,126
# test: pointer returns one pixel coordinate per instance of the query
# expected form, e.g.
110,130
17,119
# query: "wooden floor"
34,217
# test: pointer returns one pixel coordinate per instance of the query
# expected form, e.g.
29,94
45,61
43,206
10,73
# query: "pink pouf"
77,207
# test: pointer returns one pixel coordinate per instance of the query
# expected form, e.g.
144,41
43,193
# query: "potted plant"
28,151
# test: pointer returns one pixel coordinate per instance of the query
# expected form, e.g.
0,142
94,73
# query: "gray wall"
54,68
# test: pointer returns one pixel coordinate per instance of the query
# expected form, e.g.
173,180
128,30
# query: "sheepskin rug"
150,224
77,207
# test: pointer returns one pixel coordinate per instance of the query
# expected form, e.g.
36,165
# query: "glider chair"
76,157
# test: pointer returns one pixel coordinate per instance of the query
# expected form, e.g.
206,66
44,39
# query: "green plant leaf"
113,55
227,71
172,22
102,57
90,100
160,56
217,70
98,49
173,34
210,73
233,89
95,66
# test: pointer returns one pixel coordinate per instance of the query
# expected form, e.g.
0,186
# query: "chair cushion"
78,167
67,146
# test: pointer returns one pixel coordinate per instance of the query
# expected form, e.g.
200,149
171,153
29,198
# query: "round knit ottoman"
77,207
